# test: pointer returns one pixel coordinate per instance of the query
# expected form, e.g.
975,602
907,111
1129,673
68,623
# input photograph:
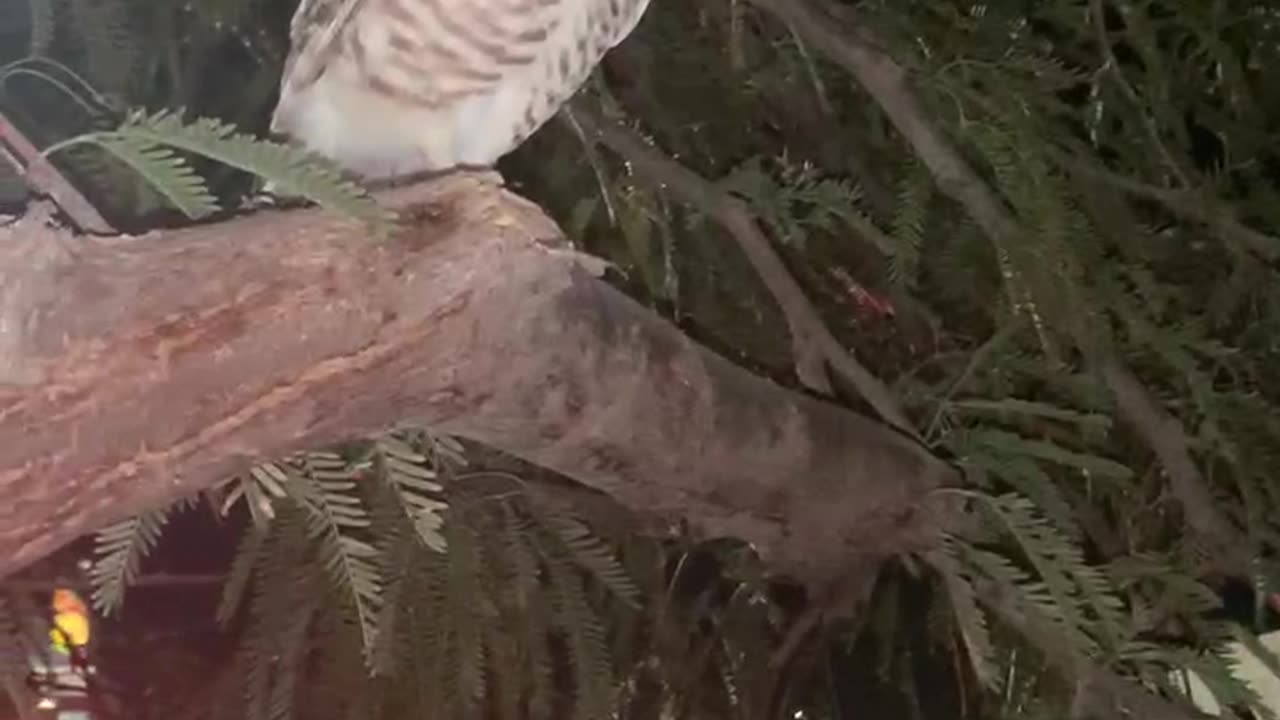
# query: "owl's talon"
413,178
267,199
260,201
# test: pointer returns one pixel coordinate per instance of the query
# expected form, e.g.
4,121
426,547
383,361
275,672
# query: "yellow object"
70,621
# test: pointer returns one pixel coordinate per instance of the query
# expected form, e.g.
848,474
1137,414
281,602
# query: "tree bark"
135,370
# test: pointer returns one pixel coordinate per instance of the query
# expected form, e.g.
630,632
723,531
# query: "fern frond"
1026,477
280,585
165,171
1033,597
1059,560
915,191
518,534
464,601
1215,670
323,485
290,652
397,555
252,544
1054,557
1003,442
425,622
293,170
969,618
593,554
1032,408
411,478
534,614
265,482
588,650
119,550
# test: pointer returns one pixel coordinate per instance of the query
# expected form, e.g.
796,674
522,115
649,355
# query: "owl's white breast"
361,130
414,85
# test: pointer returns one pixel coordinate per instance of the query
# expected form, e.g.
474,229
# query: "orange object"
70,621
67,601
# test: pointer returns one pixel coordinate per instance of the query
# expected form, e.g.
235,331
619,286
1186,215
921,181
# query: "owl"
394,87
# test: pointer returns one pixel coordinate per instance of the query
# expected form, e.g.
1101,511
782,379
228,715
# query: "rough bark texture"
135,370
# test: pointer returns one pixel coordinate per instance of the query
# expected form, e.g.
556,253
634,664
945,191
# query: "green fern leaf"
281,581
969,618
247,557
291,648
1028,478
463,600
1054,557
915,192
119,550
588,650
323,485
1000,441
518,534
165,171
1033,597
293,170
412,479
1215,670
591,553
1017,406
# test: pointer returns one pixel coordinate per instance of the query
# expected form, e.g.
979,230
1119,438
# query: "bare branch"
1164,435
853,47
1100,692
45,179
813,344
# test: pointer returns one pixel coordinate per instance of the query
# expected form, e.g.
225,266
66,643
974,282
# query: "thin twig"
593,158
1185,204
45,179
1110,62
1164,435
813,345
154,580
854,47
1100,691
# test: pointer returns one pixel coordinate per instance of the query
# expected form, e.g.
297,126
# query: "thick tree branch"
135,370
